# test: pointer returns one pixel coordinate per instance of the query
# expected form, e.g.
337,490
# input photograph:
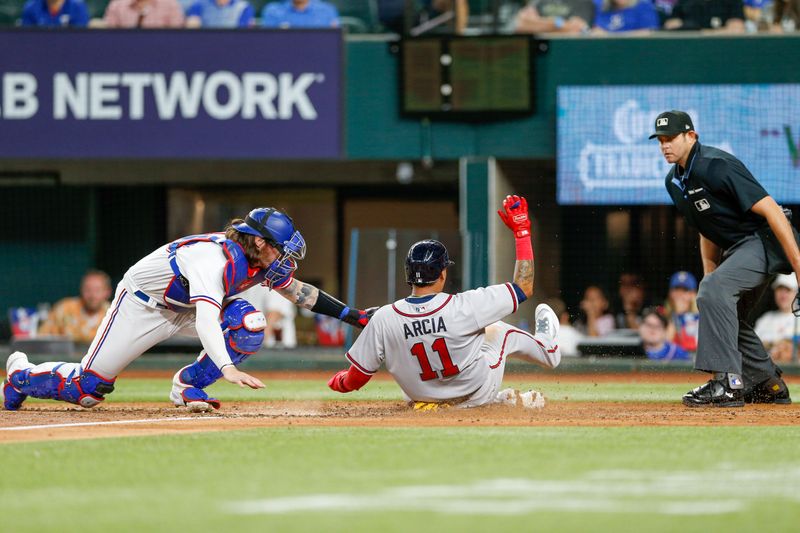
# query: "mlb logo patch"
702,205
662,122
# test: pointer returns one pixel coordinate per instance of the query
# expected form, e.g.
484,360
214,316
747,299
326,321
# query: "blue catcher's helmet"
425,262
278,230
244,326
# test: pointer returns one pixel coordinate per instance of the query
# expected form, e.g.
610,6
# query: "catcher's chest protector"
238,276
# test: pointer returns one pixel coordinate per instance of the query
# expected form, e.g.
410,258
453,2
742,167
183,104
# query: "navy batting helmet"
425,262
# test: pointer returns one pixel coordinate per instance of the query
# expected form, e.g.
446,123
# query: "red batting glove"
337,382
515,215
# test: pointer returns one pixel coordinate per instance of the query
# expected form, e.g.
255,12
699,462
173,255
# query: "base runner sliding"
451,349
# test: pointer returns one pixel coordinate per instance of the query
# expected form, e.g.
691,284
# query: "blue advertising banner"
171,94
604,155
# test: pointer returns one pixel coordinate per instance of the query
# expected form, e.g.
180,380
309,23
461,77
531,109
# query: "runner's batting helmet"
425,262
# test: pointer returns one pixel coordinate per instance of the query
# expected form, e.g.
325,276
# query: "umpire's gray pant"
726,342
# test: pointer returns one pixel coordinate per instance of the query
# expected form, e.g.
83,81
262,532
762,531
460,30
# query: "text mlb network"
221,95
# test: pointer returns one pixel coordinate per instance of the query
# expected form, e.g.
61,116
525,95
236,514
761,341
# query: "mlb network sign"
604,155
217,94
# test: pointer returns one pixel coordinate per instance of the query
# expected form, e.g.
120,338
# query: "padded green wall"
375,131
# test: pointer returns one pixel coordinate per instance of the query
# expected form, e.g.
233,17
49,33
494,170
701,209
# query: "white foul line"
108,423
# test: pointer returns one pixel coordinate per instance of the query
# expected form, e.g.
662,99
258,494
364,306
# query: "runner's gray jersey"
432,345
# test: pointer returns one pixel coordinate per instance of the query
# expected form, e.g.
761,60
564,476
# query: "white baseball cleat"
526,400
532,399
12,397
546,321
508,397
199,407
16,361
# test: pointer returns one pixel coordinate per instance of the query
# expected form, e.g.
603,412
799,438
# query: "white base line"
108,423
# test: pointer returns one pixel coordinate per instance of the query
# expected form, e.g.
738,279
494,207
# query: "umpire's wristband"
329,306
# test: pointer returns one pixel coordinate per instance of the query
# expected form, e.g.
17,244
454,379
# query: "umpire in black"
745,238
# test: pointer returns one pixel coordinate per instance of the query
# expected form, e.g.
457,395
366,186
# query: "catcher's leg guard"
188,382
12,396
66,382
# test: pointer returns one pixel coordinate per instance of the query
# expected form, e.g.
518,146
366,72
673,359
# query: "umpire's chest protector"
237,276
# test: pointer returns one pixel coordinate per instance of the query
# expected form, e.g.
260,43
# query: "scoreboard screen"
467,77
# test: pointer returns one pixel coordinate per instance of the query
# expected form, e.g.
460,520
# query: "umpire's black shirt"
715,193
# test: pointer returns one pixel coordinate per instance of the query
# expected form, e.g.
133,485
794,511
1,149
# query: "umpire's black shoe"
715,393
773,390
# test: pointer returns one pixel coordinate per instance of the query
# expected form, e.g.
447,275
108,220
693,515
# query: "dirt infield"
48,421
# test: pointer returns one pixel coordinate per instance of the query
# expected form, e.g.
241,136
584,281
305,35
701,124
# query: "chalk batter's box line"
109,423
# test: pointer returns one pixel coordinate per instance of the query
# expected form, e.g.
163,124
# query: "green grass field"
408,479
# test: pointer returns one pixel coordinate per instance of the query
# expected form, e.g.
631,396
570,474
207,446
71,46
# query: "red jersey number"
428,373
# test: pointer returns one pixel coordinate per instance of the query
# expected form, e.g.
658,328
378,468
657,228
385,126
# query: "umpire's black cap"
671,123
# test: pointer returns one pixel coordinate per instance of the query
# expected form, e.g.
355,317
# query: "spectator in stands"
72,13
753,14
220,14
664,9
785,16
724,16
779,329
144,14
300,14
186,4
597,321
653,332
281,329
556,16
631,299
79,317
684,318
628,16
568,336
392,15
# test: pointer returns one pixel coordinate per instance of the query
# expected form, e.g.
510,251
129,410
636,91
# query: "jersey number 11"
428,373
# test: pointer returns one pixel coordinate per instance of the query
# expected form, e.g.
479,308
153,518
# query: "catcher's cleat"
772,390
715,393
195,400
12,396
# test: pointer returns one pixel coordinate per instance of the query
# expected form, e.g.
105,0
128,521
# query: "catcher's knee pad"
81,387
244,328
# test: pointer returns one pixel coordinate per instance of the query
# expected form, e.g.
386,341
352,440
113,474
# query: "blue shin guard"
244,332
81,387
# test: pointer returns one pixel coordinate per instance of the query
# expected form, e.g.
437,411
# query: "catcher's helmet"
276,228
267,222
425,262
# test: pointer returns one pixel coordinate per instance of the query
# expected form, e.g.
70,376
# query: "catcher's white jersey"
432,345
202,263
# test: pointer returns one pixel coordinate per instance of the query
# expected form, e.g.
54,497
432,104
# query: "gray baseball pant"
726,342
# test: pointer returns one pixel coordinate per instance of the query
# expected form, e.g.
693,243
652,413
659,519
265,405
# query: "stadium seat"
97,8
352,11
10,14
